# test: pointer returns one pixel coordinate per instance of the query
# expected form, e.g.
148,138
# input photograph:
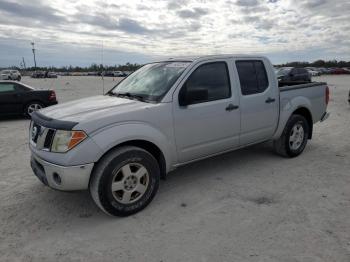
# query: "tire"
31,107
124,168
294,137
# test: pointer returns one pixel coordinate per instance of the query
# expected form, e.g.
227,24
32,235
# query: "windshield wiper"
129,95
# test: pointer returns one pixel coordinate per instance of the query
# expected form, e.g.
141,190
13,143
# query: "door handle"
231,107
270,100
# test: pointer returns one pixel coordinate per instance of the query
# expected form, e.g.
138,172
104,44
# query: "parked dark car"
114,73
38,74
339,71
20,99
44,74
293,74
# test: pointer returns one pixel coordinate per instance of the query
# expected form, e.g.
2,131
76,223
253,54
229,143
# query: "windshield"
151,82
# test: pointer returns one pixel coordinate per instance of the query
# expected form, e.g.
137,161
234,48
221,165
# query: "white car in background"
10,75
313,71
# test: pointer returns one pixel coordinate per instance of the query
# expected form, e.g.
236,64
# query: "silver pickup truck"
164,115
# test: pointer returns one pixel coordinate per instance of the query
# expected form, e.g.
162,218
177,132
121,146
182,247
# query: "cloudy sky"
73,31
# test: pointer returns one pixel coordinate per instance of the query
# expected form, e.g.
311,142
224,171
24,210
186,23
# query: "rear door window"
252,76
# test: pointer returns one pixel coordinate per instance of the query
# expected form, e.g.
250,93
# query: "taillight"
327,95
52,96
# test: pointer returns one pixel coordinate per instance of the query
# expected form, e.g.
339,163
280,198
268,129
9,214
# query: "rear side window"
302,71
22,88
252,76
6,87
213,77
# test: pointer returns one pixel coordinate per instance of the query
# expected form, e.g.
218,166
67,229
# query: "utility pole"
24,63
33,49
103,80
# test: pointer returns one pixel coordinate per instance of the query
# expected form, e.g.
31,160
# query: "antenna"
103,80
33,49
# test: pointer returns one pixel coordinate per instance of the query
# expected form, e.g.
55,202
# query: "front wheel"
125,181
294,137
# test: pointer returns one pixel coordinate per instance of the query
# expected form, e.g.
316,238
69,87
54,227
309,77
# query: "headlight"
66,140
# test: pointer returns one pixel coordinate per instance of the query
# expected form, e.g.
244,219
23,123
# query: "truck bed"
310,95
307,95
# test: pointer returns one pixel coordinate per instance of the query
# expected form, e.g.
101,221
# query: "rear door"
259,101
10,102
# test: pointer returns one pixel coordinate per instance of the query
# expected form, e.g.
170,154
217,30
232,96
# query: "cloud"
43,13
260,23
97,20
176,4
314,3
131,26
176,27
247,2
192,14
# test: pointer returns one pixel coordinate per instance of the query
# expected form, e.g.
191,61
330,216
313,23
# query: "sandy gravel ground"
249,205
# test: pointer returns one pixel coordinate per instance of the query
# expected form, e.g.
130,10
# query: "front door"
210,122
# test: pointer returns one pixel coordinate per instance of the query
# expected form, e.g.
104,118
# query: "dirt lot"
249,205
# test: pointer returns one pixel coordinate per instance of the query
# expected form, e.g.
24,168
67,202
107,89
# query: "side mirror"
192,96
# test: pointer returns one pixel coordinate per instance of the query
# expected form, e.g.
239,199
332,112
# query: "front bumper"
65,178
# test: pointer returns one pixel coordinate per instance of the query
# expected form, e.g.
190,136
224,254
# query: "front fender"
111,136
287,107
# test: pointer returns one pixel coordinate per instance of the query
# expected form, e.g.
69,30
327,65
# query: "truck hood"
91,108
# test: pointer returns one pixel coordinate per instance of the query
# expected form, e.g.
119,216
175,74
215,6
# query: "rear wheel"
125,181
32,107
294,137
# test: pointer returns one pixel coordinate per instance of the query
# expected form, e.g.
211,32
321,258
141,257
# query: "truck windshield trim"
151,82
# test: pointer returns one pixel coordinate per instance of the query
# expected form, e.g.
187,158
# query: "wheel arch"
305,112
150,147
27,103
297,105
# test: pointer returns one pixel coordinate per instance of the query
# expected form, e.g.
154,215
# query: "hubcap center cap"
130,182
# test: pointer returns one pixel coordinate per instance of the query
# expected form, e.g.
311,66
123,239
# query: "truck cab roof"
200,58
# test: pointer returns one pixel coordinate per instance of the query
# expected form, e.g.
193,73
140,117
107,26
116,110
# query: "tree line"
319,63
91,68
132,67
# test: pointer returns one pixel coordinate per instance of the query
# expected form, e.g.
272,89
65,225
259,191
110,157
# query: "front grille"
41,137
49,138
